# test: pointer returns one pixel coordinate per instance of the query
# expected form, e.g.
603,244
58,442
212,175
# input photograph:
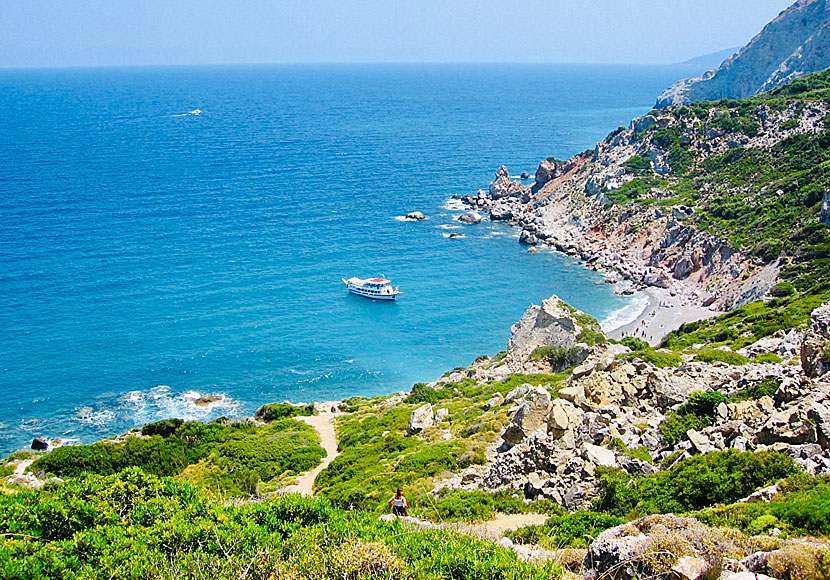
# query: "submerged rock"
206,400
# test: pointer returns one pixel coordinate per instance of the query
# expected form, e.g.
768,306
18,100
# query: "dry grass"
800,560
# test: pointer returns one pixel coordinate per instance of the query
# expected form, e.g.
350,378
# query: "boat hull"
360,292
374,289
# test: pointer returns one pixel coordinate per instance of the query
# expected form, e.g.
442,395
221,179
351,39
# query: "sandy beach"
663,314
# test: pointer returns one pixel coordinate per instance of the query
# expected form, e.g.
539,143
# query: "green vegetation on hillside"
228,459
134,526
761,199
694,483
802,507
376,455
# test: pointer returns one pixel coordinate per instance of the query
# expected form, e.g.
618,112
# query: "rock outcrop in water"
794,44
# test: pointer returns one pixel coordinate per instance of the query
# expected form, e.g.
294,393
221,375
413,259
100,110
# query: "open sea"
150,256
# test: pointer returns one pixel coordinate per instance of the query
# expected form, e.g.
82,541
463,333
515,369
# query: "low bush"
641,453
277,411
456,505
575,530
132,525
693,484
764,388
659,358
638,165
231,459
558,357
697,413
728,357
802,507
768,357
635,343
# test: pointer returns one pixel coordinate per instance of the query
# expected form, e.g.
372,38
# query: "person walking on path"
398,503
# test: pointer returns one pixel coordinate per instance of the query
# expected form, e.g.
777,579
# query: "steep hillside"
723,202
794,44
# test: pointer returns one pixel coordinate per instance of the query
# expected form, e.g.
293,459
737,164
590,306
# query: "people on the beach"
398,503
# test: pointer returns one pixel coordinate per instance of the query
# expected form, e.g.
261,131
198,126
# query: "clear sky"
142,32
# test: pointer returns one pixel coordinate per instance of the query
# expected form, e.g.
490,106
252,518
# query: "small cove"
153,256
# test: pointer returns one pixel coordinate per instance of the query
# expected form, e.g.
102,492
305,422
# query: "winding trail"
22,465
323,423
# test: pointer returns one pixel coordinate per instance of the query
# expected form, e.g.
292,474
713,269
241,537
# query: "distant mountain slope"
713,59
796,43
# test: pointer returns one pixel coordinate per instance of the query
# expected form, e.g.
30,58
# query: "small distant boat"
375,288
196,112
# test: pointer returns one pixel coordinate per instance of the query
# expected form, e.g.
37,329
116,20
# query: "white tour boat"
376,288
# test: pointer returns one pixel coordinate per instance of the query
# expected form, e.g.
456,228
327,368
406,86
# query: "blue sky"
148,32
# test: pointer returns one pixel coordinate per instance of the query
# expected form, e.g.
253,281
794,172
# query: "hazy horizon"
95,33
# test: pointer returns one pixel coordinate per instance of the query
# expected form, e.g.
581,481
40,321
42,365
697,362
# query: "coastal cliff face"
700,200
794,44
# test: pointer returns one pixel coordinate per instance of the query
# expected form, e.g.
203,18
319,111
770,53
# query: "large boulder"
420,419
470,218
815,349
824,214
501,186
788,426
548,170
554,323
531,416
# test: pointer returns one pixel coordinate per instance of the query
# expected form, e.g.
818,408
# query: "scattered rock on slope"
420,419
815,350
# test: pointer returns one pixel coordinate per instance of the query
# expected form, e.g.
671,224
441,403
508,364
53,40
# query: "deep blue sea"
150,256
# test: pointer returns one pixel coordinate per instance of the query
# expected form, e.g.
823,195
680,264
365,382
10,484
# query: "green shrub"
134,526
421,393
802,507
697,413
277,411
674,428
768,357
231,459
165,427
728,357
764,388
455,505
641,453
559,358
659,358
702,404
638,165
633,190
694,483
635,343
782,289
576,530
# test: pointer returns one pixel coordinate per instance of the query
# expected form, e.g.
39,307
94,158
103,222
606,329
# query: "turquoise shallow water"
150,255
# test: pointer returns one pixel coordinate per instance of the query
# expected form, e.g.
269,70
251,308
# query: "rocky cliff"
721,203
794,44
